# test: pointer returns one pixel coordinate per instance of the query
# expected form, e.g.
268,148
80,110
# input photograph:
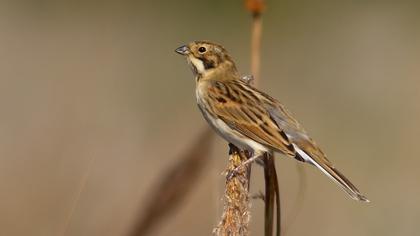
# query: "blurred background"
95,106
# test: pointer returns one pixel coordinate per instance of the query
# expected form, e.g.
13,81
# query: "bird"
249,118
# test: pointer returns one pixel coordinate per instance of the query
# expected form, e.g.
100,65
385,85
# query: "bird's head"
207,59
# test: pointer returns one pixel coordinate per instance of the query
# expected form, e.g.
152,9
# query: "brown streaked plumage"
249,118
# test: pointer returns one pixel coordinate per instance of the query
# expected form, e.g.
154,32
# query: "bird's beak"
183,50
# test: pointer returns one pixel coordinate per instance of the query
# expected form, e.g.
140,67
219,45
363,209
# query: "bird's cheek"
209,64
197,64
193,69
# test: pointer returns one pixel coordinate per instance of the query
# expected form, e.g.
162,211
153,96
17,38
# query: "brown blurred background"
95,105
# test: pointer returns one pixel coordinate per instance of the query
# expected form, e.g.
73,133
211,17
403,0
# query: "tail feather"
333,174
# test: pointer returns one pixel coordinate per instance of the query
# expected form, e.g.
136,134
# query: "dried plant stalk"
236,215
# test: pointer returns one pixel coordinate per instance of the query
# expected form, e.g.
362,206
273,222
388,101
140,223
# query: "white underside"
238,139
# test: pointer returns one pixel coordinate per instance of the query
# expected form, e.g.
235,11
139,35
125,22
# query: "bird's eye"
202,49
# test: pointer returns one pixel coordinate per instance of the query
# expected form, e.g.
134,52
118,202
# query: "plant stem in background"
256,7
174,185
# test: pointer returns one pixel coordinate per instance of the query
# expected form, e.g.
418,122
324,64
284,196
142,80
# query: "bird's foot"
235,172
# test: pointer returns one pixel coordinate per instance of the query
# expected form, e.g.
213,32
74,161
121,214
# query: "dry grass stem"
236,215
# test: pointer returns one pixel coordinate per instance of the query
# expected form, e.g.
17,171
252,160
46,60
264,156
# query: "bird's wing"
263,119
243,111
306,148
294,131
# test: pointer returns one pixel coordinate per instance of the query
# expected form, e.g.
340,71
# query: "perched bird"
249,118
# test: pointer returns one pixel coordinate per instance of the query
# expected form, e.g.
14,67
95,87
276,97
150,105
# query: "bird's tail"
333,174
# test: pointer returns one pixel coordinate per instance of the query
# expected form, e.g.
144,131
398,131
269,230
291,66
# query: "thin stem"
256,46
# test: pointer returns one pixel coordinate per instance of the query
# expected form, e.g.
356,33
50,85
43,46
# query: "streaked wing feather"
247,116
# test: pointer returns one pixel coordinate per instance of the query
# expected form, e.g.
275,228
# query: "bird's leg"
235,171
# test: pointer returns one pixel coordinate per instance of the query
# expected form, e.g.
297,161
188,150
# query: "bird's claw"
233,173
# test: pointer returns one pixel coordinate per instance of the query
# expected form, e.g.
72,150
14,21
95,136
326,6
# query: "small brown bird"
249,118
